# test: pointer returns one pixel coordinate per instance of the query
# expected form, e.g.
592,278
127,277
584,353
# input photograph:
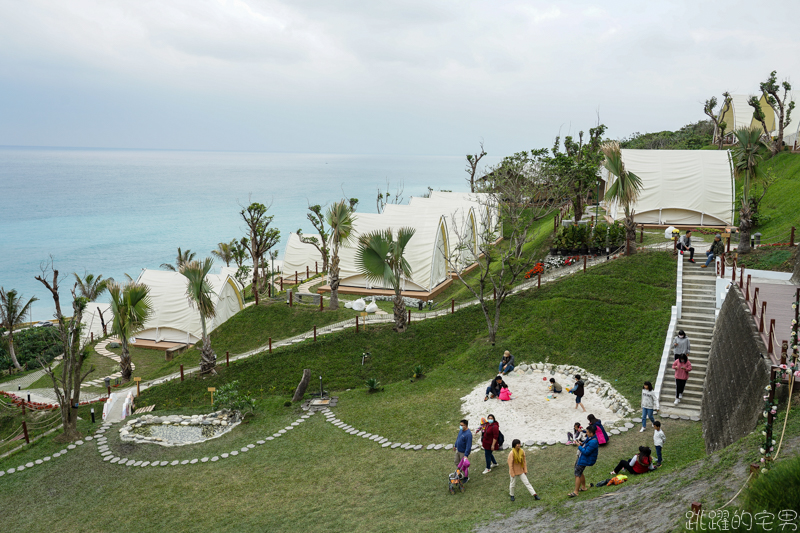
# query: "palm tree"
131,307
340,219
625,190
380,259
747,154
11,314
199,292
183,257
92,287
225,251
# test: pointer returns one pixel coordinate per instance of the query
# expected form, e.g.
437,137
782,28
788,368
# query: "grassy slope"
782,199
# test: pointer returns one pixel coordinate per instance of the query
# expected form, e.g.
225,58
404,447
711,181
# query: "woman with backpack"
641,463
600,431
490,441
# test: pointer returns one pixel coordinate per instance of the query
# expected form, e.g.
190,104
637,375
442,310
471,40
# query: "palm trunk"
125,360
630,232
255,277
208,359
11,351
745,225
400,324
334,304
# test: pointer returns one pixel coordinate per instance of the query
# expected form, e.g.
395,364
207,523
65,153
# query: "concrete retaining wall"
736,375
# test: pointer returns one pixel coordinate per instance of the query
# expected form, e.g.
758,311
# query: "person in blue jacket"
587,456
463,443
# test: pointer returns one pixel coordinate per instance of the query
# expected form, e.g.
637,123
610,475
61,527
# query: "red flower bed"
538,269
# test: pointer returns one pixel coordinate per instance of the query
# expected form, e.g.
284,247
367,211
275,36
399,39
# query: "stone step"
699,303
698,317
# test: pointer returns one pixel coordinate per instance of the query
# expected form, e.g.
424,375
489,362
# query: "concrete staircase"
697,321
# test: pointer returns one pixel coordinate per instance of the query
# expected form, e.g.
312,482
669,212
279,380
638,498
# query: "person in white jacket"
649,404
658,439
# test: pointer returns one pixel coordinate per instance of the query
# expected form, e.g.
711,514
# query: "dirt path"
653,507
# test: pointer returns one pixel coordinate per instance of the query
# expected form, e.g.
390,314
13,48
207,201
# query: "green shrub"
419,371
287,403
373,385
229,397
29,345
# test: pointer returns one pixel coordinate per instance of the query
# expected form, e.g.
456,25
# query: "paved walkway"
22,383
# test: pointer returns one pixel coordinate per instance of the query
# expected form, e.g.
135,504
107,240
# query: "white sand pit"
531,415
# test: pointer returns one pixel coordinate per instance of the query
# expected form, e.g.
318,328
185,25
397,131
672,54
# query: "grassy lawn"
777,258
780,204
103,367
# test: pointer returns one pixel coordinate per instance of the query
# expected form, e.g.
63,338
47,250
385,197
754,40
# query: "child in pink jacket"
682,367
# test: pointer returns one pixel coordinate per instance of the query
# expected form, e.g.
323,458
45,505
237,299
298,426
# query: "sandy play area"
534,414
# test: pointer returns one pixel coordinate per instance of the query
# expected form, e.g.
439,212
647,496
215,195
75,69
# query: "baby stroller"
457,479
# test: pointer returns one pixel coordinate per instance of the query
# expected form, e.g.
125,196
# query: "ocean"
113,212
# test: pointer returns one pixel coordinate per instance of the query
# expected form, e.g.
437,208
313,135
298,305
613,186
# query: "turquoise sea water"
112,212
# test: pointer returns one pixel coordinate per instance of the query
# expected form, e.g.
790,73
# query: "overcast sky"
387,76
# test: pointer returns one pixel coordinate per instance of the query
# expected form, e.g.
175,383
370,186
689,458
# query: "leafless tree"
386,197
472,166
67,385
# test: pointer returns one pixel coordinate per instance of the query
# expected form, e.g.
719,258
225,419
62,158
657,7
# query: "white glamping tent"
686,187
426,252
173,318
91,321
462,225
299,256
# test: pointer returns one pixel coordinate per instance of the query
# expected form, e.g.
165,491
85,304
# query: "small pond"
179,430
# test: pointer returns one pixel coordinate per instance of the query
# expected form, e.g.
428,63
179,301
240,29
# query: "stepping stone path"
101,349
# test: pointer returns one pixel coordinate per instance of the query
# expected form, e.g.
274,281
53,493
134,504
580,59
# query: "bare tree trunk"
399,312
578,205
255,275
125,361
11,351
302,386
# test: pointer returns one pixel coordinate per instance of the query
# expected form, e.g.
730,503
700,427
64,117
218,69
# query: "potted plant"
599,236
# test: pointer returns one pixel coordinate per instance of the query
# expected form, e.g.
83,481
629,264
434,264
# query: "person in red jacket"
682,367
491,434
639,464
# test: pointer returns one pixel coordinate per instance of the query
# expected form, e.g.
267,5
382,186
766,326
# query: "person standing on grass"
577,390
685,245
587,456
716,250
491,434
463,443
649,404
506,363
681,344
518,468
682,367
658,440
641,463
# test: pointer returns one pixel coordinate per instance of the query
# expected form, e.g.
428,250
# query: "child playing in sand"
577,435
577,390
555,387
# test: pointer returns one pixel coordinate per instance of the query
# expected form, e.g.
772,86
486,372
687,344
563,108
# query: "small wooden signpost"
211,390
138,381
364,314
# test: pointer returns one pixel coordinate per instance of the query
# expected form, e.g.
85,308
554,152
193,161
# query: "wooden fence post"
771,336
584,263
733,276
181,377
25,430
308,272
641,234
320,302
784,351
269,288
755,301
315,333
295,277
741,277
356,324
728,250
270,345
539,280
91,336
227,358
747,289
409,317
281,283
761,322
291,298
452,305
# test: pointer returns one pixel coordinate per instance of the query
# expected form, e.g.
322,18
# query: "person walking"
716,250
518,468
577,390
685,245
489,442
658,440
587,456
649,404
682,367
463,443
681,344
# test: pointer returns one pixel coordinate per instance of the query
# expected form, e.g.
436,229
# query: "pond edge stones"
222,421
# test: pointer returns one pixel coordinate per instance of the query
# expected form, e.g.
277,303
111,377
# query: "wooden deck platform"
779,298
361,291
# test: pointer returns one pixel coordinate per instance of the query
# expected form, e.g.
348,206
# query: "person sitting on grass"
494,388
506,364
555,387
587,456
641,463
577,436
